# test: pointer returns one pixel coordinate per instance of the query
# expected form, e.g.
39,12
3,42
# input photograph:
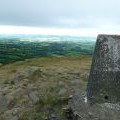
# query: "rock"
5,90
11,101
53,115
24,83
33,72
85,111
71,96
15,112
3,103
62,92
33,93
61,83
34,96
90,114
75,82
31,87
18,77
14,118
33,69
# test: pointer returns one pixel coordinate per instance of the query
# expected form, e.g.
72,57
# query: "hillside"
39,88
21,47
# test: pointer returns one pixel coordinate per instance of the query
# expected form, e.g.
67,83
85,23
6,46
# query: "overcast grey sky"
70,14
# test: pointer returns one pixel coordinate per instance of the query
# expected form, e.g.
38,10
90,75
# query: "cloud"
66,14
7,29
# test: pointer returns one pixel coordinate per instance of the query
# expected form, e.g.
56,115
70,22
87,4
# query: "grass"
66,74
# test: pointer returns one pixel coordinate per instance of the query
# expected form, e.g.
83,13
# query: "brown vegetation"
39,88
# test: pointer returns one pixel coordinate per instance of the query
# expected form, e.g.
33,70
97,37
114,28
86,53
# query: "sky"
62,17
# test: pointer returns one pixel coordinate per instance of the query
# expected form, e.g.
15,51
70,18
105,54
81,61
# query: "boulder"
33,72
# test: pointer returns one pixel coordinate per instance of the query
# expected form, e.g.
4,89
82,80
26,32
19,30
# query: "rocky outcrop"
19,91
33,71
82,110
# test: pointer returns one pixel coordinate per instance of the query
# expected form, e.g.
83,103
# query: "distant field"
17,48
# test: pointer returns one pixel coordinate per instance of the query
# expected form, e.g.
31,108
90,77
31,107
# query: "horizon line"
90,32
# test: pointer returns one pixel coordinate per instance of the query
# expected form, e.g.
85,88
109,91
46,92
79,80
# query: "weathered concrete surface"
84,111
104,80
101,99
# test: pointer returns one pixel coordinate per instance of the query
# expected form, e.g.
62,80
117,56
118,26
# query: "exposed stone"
14,118
3,103
18,77
61,83
15,111
11,101
34,96
33,93
75,81
33,72
62,91
31,87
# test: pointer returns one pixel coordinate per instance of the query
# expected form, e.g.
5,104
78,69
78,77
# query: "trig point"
101,99
104,79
